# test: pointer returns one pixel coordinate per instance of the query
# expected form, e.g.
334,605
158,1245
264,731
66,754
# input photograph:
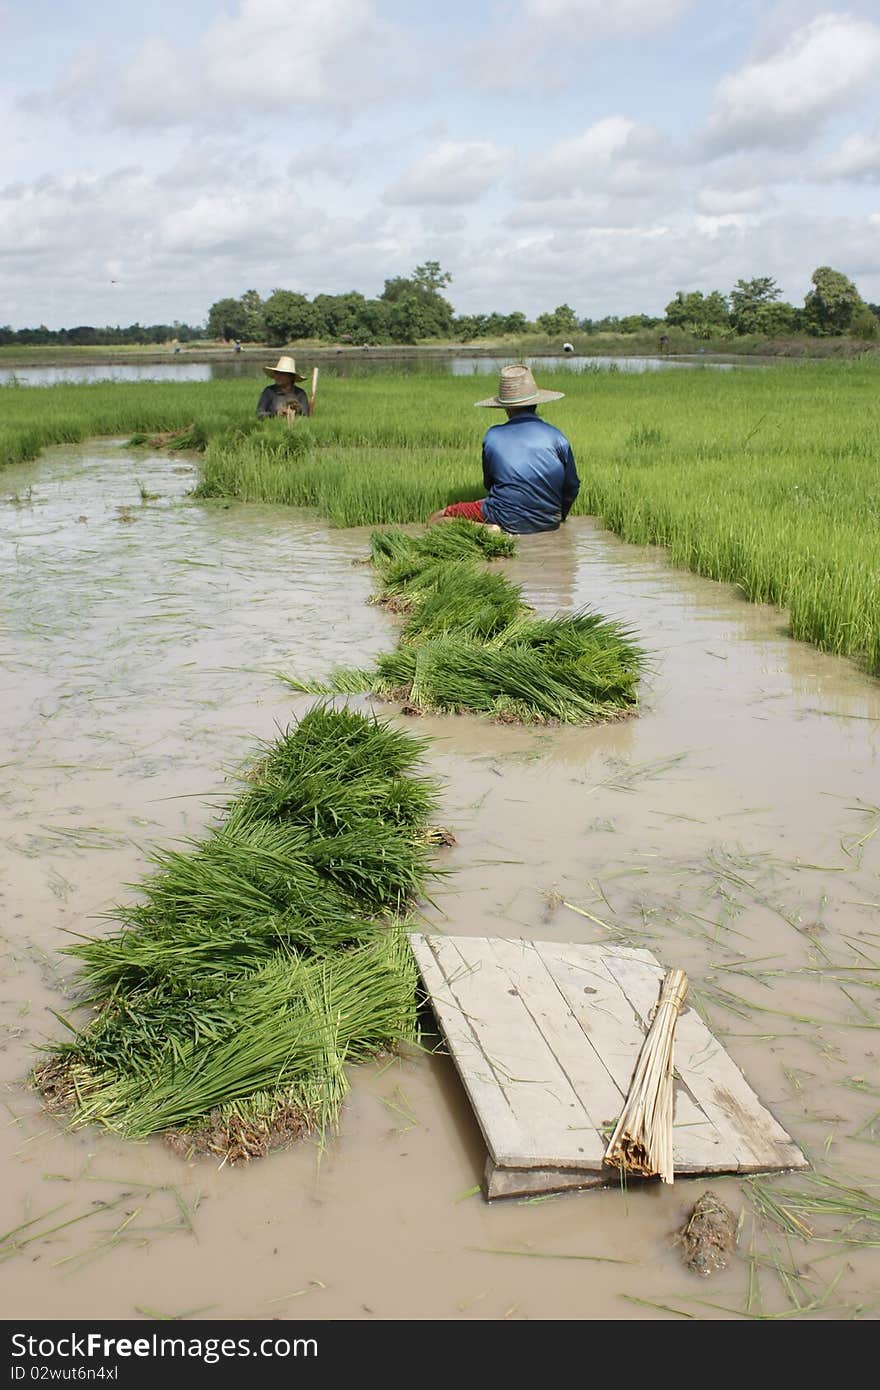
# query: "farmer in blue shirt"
528,467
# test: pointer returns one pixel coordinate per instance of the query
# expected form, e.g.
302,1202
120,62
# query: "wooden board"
545,1036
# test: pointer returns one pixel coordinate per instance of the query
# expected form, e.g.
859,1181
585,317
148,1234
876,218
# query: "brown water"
732,829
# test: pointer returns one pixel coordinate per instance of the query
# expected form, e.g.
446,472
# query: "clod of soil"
439,835
708,1237
236,1140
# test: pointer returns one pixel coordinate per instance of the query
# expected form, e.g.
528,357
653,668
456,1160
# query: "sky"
599,153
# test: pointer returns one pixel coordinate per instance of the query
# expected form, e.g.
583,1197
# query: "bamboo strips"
642,1139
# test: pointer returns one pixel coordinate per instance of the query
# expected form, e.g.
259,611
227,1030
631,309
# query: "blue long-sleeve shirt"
529,474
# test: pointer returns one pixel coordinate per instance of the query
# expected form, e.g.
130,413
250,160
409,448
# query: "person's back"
529,474
529,471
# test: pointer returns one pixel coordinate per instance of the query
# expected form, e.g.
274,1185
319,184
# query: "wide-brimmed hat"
516,387
287,365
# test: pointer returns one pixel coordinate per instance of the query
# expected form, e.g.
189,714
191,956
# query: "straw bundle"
642,1139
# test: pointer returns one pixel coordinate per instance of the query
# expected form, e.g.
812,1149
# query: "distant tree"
864,323
749,299
637,323
351,318
84,336
494,325
831,303
702,315
288,315
254,330
414,316
774,320
227,318
563,319
466,327
509,323
430,278
417,309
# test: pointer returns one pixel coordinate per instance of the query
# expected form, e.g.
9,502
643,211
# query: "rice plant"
470,643
760,478
263,957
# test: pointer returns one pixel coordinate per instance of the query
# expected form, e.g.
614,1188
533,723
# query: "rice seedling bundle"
469,642
290,1029
264,957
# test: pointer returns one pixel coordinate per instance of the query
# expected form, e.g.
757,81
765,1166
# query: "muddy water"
730,829
346,365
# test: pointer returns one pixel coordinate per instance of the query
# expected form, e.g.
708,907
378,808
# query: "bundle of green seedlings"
470,643
264,957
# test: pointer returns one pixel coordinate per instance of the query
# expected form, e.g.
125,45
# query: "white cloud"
274,55
272,149
858,157
717,202
782,99
587,19
593,148
722,222
455,172
613,153
269,57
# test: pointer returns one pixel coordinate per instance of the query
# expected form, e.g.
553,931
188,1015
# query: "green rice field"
763,478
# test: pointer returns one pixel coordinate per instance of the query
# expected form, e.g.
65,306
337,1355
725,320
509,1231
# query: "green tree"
748,301
831,303
227,319
702,315
288,315
864,323
774,320
563,319
417,309
430,278
350,317
255,326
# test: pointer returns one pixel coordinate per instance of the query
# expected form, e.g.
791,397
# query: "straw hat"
284,364
516,387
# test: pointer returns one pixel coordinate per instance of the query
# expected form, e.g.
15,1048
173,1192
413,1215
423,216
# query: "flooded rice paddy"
733,829
346,364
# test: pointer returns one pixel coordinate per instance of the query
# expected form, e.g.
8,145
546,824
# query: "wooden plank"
527,1182
588,1081
490,1105
753,1138
534,1086
606,1018
545,1036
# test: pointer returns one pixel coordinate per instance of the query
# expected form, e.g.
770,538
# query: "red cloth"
471,511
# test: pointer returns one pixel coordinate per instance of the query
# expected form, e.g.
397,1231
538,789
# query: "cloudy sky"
603,153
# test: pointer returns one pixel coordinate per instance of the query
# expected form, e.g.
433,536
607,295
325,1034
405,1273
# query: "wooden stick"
642,1139
314,390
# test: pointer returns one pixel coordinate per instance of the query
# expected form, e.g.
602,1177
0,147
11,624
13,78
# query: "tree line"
413,308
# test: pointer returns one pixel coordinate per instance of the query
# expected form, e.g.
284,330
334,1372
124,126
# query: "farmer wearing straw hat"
528,467
283,397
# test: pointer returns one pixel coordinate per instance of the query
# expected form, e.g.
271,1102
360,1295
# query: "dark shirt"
529,474
274,401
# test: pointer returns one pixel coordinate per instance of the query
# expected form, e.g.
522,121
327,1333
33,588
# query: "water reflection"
342,365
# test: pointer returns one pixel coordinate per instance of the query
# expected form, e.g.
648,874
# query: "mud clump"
708,1237
237,1140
